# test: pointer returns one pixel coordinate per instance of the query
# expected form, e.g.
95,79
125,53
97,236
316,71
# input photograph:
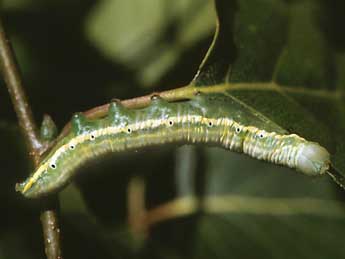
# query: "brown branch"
14,85
51,231
15,88
136,207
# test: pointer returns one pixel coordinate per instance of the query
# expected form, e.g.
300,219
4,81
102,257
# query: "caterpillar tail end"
23,187
313,159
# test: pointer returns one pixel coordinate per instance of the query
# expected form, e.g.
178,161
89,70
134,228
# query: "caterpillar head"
49,175
40,183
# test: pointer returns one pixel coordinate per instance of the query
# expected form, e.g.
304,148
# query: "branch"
231,204
15,88
14,85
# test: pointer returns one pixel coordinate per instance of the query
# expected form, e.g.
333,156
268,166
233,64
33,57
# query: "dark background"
77,54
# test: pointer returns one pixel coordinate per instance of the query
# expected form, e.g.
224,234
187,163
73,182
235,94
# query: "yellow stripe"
151,123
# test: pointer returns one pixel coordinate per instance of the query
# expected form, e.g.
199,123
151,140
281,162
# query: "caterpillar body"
213,119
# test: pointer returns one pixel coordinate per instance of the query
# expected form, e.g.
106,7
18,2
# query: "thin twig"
231,204
51,231
15,88
14,85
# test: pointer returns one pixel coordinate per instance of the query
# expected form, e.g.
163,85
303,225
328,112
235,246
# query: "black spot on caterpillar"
213,119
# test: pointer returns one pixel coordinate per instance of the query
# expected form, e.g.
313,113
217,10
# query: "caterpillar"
212,119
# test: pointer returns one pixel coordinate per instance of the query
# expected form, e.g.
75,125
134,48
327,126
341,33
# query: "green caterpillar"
213,119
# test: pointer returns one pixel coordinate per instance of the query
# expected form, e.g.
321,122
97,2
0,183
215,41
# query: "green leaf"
151,46
276,58
279,61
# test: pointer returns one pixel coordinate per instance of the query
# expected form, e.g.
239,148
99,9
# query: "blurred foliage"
78,54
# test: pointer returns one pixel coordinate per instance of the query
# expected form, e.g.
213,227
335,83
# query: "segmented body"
201,120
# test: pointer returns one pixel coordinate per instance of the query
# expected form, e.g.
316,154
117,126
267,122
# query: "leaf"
282,64
286,67
150,46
